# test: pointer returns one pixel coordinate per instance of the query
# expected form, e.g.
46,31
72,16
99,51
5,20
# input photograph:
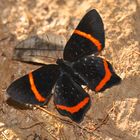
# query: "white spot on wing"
76,53
62,85
84,64
85,59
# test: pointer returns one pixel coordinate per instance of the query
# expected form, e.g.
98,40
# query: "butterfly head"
60,61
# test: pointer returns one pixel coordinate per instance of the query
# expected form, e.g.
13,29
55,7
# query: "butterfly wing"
88,38
34,88
70,99
42,49
96,72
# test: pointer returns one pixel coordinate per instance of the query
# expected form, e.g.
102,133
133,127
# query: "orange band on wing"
34,89
76,108
106,77
89,37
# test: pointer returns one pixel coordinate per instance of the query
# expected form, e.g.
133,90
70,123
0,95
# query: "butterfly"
80,66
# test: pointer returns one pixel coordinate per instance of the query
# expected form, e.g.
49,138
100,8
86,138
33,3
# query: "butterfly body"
80,66
65,66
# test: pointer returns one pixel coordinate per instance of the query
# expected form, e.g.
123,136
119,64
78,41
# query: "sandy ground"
116,112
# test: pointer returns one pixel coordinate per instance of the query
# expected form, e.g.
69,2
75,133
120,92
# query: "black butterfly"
78,67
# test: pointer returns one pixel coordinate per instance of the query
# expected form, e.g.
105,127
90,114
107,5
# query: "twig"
66,120
137,52
41,124
105,119
38,123
102,123
3,134
4,38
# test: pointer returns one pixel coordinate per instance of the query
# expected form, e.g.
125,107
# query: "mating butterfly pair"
78,67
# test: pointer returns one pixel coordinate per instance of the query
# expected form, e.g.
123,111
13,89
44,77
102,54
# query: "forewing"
70,99
35,87
88,38
96,72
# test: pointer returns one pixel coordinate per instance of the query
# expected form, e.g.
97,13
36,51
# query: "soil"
115,113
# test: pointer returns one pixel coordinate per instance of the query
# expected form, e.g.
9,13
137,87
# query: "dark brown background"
20,19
